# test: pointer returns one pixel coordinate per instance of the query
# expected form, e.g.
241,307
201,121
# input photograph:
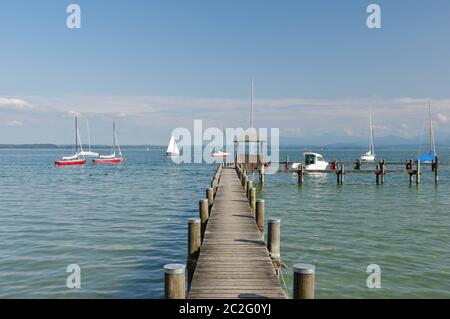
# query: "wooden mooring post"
194,243
436,169
273,240
252,199
210,197
259,216
249,189
301,174
174,281
304,281
204,214
261,174
418,173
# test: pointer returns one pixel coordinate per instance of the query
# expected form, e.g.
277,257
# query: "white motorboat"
312,161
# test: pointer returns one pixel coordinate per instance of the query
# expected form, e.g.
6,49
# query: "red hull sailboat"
76,159
111,159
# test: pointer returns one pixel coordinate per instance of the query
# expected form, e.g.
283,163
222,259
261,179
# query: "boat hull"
108,160
220,155
70,162
368,158
169,154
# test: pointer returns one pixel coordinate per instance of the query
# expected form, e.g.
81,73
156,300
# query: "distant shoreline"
282,146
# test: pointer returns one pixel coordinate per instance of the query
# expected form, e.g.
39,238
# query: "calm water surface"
122,223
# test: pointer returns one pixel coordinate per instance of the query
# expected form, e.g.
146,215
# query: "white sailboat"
431,156
75,159
369,156
113,158
88,153
172,148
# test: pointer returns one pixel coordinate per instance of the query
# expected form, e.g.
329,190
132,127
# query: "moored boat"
78,157
312,161
369,156
431,156
113,158
172,148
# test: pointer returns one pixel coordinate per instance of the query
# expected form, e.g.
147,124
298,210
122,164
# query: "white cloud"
15,104
442,118
14,123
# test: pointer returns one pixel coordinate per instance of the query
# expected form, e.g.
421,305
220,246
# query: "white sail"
370,154
172,148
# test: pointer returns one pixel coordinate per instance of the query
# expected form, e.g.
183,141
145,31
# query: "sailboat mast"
251,114
371,130
430,127
76,135
114,136
89,134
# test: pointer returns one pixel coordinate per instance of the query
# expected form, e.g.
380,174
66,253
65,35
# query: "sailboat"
431,156
369,156
172,148
113,158
77,158
88,153
219,152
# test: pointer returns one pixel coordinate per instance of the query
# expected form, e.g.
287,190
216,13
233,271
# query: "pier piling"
174,281
249,189
273,239
252,199
260,212
204,214
418,173
210,197
301,174
304,281
194,242
261,174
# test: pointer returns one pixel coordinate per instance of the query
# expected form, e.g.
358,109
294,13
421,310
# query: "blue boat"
431,156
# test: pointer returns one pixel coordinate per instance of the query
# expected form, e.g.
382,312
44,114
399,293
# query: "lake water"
122,223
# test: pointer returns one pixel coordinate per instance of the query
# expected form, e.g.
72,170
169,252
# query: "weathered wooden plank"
233,261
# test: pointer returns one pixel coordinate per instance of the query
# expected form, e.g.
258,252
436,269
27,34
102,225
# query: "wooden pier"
233,261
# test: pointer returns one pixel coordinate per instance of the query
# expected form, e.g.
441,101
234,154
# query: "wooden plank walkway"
233,261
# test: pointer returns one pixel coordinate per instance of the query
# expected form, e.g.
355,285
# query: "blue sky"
156,65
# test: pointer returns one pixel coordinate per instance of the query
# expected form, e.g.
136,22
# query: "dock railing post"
204,214
174,281
249,189
246,180
252,199
259,216
210,197
378,174
304,281
273,239
194,242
